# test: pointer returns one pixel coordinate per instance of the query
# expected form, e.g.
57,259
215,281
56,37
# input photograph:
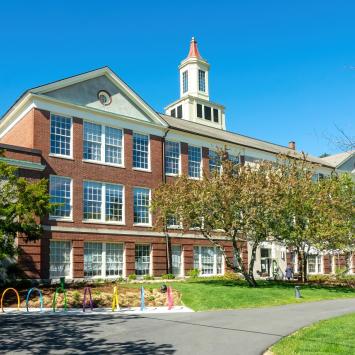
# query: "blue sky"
285,70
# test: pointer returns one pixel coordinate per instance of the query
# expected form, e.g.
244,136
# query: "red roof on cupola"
193,53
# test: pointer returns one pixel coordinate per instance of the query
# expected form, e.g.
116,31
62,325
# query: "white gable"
83,90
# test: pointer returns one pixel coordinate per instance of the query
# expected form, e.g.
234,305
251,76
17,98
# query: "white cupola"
194,103
194,74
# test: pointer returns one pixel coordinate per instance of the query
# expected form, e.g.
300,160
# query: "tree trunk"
305,267
252,262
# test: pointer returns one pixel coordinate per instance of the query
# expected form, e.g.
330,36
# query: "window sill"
103,163
141,169
58,219
195,178
89,221
142,225
171,174
60,156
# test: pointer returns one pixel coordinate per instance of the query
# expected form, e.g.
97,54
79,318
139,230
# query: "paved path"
248,331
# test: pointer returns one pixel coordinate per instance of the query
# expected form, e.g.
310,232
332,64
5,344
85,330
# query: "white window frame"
214,261
220,167
149,224
179,168
201,163
150,259
70,276
181,273
60,218
55,155
104,261
103,204
316,272
149,153
102,161
204,80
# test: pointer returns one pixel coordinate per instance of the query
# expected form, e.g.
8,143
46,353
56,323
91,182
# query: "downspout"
167,239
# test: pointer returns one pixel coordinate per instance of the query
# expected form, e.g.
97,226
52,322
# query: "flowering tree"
241,202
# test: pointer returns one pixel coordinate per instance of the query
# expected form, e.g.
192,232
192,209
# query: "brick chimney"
292,145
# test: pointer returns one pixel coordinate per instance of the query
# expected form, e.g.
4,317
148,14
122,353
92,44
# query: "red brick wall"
16,135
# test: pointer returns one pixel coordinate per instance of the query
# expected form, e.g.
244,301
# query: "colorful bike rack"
170,298
40,297
87,290
115,304
3,294
142,299
60,288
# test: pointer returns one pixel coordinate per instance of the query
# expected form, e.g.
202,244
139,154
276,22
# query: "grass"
203,295
332,336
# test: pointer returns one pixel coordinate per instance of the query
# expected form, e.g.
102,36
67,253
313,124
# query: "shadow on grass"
43,334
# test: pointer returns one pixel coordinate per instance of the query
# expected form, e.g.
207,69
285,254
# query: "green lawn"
332,336
202,295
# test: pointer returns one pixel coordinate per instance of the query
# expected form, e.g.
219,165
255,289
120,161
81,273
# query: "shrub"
168,276
230,275
320,278
121,280
148,277
151,298
193,273
76,297
132,277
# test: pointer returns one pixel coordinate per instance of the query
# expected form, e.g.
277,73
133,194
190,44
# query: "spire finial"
193,52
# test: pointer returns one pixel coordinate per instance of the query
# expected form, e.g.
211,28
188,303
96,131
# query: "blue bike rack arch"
40,297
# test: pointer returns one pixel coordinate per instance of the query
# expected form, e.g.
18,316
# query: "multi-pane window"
92,200
201,80
185,81
114,203
173,113
194,161
209,260
60,192
214,162
92,259
103,259
60,141
314,264
103,202
113,145
176,259
179,111
114,259
59,259
102,143
92,141
142,259
140,151
141,205
172,157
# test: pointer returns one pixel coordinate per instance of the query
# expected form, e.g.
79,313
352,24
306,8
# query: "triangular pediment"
83,90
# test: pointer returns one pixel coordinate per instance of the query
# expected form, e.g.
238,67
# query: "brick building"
104,150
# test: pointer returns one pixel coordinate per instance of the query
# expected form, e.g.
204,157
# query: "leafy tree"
241,203
314,214
22,204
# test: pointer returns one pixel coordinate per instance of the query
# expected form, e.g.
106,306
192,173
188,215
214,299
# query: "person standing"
289,272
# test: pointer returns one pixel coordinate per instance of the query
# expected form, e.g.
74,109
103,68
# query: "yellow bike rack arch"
18,298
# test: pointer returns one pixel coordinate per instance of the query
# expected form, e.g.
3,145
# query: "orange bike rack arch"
18,298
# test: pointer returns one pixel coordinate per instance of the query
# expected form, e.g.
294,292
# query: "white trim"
141,133
180,163
125,232
201,162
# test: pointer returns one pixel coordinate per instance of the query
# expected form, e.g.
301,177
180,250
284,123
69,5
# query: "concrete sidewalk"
247,331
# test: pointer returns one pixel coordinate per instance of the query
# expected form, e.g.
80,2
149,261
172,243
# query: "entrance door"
176,259
265,261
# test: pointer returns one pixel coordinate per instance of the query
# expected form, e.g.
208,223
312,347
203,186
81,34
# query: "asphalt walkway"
247,331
